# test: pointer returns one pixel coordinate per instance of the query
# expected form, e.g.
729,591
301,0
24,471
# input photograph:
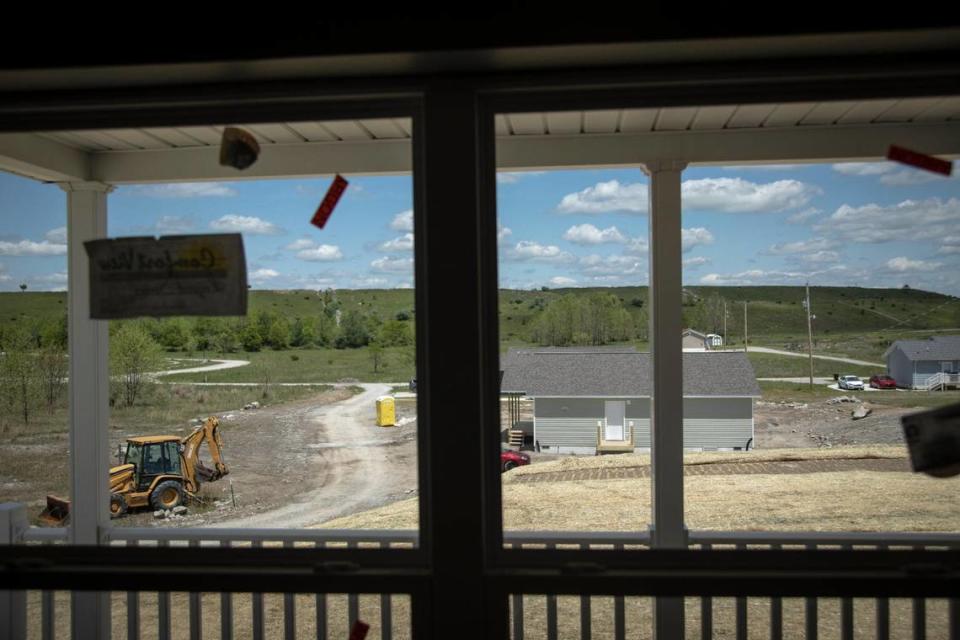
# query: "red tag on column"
359,631
337,187
919,160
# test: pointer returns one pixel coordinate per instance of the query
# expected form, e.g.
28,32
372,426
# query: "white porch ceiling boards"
790,132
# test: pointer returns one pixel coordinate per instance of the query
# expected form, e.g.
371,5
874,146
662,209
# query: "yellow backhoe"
157,471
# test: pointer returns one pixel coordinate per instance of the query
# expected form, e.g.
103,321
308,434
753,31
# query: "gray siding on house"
925,369
709,423
900,368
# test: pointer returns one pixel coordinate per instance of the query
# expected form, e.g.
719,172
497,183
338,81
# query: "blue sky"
874,225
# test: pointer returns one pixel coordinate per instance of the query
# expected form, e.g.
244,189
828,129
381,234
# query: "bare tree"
133,354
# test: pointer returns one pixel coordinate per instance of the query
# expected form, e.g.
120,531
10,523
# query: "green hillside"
851,320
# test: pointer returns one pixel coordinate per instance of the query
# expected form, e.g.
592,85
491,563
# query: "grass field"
311,365
771,365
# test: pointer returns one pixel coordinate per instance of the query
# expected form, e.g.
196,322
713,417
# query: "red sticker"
359,631
919,160
337,187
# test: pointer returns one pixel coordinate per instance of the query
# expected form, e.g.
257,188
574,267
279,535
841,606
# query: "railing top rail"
46,534
265,535
951,540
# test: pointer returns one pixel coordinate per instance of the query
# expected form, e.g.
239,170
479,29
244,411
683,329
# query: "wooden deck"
615,446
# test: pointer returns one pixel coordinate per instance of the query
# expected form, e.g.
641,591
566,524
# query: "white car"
852,383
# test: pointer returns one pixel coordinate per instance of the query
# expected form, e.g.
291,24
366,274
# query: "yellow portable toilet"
386,411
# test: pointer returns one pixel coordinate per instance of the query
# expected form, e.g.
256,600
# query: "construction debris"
861,412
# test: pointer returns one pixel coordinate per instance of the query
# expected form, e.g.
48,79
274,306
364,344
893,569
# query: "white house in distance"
590,400
924,364
695,341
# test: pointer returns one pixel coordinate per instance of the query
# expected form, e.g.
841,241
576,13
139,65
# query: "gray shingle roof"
934,348
624,372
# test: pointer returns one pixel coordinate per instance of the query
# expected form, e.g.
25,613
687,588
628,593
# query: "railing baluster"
776,613
257,602
585,616
517,616
133,608
811,613
386,616
846,612
289,608
741,611
706,610
321,607
619,611
919,619
883,613
954,619
551,610
48,613
353,601
163,609
196,613
226,608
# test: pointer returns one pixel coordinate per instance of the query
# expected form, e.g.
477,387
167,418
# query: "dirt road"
322,462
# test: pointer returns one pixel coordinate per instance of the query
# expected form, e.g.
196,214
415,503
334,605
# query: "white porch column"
666,410
89,404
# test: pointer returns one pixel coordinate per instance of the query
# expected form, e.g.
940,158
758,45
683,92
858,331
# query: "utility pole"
724,323
744,326
806,304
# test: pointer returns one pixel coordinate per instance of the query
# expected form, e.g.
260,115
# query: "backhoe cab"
157,471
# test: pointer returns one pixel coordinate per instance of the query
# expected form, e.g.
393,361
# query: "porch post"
89,391
666,403
13,604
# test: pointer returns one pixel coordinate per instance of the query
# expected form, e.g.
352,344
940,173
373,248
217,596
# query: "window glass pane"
34,367
802,432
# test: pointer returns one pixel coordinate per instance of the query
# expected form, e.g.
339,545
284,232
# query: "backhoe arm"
194,471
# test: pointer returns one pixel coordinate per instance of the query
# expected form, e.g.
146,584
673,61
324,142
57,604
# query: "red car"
883,382
510,459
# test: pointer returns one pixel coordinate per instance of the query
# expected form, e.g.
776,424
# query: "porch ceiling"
751,133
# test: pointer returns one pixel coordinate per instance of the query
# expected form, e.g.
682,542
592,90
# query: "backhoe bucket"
56,513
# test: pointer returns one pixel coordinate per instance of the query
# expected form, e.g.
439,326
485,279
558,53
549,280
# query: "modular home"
592,401
925,364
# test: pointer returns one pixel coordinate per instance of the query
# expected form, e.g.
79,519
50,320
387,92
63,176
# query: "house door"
615,412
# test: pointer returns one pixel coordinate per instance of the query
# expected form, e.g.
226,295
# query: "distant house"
694,340
923,364
589,401
714,340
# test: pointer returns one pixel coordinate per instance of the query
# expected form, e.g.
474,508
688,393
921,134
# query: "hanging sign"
919,160
337,187
198,275
933,438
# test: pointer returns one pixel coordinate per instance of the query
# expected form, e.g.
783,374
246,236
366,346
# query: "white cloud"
503,233
902,264
300,244
735,195
800,246
263,274
562,281
804,216
909,220
511,177
586,234
837,274
371,282
4,276
695,263
694,237
403,243
529,250
172,225
949,244
245,224
819,257
604,197
864,168
638,246
403,221
31,248
595,265
57,236
185,190
910,176
392,265
321,253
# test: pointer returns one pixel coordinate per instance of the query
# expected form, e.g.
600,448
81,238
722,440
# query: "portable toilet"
386,411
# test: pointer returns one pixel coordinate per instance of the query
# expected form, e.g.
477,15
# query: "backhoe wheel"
167,495
118,505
